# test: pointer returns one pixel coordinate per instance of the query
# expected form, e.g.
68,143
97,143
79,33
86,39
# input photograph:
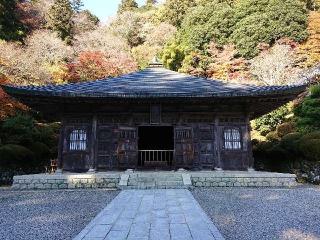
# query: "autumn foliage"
310,50
8,106
98,65
219,63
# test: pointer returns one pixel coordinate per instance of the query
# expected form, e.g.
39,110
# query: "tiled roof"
153,83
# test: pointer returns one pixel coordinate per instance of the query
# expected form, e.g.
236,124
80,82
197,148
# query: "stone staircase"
155,180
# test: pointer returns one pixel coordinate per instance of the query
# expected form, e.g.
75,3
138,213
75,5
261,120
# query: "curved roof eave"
152,83
280,90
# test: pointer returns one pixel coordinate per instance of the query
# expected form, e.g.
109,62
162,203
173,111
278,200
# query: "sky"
105,8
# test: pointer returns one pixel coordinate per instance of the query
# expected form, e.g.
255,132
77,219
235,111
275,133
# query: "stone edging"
64,181
120,180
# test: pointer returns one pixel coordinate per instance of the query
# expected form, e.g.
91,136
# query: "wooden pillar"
60,148
93,159
249,143
217,148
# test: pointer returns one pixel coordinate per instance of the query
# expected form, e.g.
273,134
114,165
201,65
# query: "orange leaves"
8,106
309,51
92,65
221,63
226,66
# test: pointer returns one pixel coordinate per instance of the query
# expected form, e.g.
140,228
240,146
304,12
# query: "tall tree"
85,21
10,26
267,21
175,10
77,5
127,5
275,66
60,19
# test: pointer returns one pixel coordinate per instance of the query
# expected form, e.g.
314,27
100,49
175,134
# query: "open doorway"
156,146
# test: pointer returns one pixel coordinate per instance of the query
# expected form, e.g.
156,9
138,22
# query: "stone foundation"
242,179
66,181
145,180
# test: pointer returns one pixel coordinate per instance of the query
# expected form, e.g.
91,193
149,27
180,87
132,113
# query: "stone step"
155,180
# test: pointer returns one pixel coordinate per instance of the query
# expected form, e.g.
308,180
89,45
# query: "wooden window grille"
232,139
78,140
183,134
127,134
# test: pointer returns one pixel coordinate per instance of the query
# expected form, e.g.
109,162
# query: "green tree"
312,4
129,25
18,129
209,22
127,5
308,112
173,55
174,11
10,26
266,21
60,19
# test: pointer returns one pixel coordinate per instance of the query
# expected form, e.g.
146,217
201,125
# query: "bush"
16,157
284,129
270,121
48,134
41,152
272,136
271,156
280,155
290,138
315,91
27,145
308,113
311,135
290,143
311,149
18,129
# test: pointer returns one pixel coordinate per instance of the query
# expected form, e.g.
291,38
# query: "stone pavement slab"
158,214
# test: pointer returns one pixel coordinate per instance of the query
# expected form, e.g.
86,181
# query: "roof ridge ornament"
155,63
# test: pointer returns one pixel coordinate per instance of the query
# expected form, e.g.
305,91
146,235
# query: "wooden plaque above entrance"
155,114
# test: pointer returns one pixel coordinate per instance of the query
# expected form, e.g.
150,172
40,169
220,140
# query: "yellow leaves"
143,54
220,71
58,72
309,51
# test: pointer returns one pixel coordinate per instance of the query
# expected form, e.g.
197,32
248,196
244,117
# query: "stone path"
171,214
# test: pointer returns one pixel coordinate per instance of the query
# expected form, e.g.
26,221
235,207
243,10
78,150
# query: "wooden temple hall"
154,119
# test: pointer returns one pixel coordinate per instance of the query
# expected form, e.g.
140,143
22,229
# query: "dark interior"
156,138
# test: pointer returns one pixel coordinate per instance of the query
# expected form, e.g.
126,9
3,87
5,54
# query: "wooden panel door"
184,147
206,146
106,147
127,148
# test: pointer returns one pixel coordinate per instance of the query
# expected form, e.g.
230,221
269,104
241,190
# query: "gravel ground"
251,213
59,214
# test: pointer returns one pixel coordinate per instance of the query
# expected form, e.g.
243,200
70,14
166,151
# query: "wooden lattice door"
106,147
127,148
184,147
206,146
